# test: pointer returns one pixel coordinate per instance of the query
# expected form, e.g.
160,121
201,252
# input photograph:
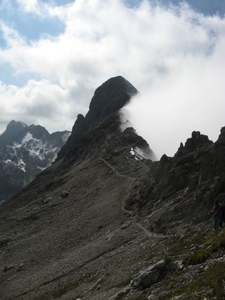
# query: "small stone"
20,267
64,194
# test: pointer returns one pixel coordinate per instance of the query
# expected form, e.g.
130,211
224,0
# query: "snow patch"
2,201
27,138
41,168
16,146
22,165
8,161
138,153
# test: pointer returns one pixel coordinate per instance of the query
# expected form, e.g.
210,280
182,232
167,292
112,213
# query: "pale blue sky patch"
34,28
59,2
207,7
3,42
132,3
9,76
31,26
6,75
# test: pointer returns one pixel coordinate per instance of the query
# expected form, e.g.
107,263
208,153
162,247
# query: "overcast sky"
54,54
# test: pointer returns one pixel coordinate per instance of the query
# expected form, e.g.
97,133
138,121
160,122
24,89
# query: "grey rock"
64,194
120,294
149,276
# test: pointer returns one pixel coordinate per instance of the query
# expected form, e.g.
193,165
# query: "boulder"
149,276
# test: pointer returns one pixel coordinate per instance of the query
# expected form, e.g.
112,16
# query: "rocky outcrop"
188,182
146,278
149,276
109,98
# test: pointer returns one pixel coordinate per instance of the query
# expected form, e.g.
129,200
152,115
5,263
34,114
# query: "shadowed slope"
102,224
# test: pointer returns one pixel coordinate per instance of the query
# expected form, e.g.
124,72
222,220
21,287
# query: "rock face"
187,184
105,222
108,98
25,151
151,275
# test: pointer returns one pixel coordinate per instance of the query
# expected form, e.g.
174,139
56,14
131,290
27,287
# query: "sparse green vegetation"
215,278
211,282
186,242
199,256
203,245
211,243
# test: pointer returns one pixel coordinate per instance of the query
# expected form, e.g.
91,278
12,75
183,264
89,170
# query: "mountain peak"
13,124
109,98
13,130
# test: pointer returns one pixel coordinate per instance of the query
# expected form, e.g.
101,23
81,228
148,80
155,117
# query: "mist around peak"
187,99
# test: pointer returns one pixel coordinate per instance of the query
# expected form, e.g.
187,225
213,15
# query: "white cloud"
32,6
34,103
174,57
189,95
189,98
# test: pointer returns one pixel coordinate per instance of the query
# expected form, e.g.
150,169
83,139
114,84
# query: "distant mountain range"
24,152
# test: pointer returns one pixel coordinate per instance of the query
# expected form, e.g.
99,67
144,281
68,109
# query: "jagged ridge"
101,224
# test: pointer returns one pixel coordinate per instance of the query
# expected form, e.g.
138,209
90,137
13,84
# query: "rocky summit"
107,222
24,152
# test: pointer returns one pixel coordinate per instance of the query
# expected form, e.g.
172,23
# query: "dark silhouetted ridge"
110,97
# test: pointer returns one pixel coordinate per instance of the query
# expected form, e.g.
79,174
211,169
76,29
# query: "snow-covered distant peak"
25,152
